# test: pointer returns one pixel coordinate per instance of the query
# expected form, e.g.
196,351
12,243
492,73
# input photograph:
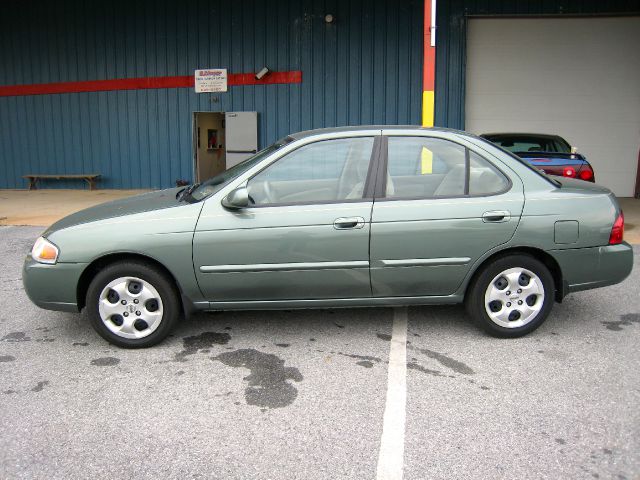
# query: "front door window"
320,172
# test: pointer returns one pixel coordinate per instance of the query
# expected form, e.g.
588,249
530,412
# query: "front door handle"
496,216
347,223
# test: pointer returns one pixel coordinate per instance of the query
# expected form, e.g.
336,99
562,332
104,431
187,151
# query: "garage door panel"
572,108
534,81
575,77
576,83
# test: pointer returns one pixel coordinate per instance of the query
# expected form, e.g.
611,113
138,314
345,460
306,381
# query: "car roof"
527,134
357,128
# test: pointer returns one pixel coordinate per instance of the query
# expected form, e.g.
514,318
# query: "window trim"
381,184
467,170
369,179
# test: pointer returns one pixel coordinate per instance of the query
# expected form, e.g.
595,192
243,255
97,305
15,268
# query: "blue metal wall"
452,37
364,68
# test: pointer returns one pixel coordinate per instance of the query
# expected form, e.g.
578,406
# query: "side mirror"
574,150
238,198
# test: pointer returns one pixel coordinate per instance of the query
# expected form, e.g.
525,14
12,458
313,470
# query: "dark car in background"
549,153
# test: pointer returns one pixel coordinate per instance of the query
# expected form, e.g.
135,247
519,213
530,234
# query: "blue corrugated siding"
452,30
364,68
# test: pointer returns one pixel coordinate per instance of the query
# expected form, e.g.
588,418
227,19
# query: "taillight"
617,231
569,172
586,173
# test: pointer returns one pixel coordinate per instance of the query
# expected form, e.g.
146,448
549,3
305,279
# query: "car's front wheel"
132,304
512,296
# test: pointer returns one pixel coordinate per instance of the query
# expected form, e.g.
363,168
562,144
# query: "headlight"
44,251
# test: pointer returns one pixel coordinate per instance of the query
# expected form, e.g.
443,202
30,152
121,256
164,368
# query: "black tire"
169,297
475,299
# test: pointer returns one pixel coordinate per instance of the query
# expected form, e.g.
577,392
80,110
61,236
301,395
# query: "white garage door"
575,77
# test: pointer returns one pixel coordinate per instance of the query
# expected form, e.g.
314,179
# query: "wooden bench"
90,178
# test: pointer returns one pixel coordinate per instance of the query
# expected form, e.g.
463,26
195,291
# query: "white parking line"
391,457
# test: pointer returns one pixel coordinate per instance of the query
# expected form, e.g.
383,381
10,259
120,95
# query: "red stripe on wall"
234,79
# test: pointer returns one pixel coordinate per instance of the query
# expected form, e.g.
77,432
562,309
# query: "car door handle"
496,216
346,223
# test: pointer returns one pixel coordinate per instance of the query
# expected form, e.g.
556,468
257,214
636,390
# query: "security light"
262,73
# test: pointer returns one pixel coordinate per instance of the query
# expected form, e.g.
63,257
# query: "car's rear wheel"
132,304
512,296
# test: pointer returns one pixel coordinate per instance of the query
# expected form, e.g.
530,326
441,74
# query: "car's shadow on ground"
568,318
298,323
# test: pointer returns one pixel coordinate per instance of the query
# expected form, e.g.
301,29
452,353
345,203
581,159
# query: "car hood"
146,202
580,185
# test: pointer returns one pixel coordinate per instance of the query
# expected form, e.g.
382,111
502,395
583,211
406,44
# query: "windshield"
530,143
214,184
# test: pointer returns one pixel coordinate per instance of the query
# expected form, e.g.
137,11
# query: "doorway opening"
222,140
209,145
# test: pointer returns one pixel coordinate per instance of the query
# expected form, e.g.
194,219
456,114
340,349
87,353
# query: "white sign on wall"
211,80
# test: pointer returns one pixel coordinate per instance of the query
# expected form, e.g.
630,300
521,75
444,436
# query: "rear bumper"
52,287
594,267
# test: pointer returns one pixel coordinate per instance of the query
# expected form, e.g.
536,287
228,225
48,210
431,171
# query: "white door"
574,77
241,130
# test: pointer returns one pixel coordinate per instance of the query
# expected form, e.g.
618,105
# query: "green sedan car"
340,217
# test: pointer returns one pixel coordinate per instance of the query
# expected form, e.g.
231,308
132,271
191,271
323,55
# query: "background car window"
530,143
425,167
484,178
330,170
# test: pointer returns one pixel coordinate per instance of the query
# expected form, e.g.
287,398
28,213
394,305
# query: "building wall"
451,40
364,68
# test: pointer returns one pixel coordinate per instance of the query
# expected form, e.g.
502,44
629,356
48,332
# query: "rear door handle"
347,223
496,216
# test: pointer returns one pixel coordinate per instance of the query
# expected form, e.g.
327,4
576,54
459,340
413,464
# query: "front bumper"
52,287
594,267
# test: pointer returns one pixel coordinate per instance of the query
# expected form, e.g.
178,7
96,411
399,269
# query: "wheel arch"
101,262
540,255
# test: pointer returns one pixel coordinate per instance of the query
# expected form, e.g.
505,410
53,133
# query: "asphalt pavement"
304,394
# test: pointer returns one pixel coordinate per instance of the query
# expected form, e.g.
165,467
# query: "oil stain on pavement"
626,320
16,337
40,386
6,358
105,361
365,364
455,365
367,358
269,385
204,341
420,368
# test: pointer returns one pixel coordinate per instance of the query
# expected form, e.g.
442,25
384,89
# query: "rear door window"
423,167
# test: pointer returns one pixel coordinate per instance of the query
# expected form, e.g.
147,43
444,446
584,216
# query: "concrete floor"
304,394
631,209
43,207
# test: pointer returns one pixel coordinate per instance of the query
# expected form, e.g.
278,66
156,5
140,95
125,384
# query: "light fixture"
262,73
329,18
